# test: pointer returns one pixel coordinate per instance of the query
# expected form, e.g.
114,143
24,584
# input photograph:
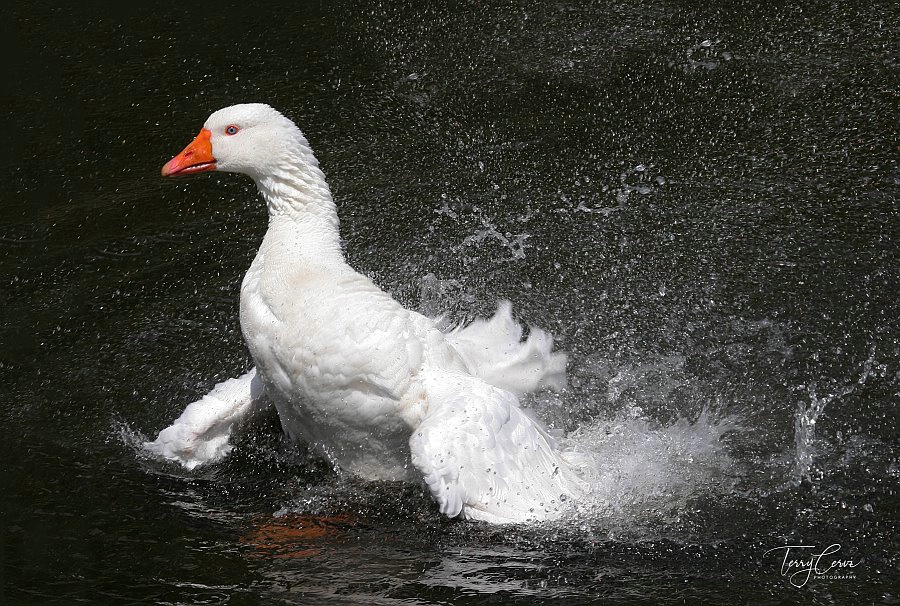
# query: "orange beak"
195,158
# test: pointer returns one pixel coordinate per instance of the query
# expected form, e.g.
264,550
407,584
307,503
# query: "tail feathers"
494,351
201,434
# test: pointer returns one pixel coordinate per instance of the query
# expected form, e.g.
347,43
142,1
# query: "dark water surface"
701,202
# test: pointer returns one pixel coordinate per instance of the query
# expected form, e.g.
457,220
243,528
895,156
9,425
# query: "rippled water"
701,203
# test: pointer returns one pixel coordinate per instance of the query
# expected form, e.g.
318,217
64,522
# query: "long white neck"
302,213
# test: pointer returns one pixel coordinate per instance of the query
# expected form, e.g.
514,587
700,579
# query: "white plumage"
380,390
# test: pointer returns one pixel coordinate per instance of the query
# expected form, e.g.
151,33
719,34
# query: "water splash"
122,432
706,55
444,298
486,228
808,415
515,243
641,472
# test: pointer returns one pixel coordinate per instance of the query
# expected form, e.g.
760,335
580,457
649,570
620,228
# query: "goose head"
251,138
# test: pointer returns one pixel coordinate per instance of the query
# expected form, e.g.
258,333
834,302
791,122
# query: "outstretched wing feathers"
484,458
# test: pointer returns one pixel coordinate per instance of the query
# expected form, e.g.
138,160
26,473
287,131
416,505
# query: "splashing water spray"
805,420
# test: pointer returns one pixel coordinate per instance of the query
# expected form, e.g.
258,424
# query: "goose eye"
231,129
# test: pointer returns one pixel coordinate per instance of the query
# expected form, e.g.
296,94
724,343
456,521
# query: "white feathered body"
340,358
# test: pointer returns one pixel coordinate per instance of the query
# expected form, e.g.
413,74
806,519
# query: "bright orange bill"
195,158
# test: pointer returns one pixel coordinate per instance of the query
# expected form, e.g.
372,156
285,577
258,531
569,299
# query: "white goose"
369,384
